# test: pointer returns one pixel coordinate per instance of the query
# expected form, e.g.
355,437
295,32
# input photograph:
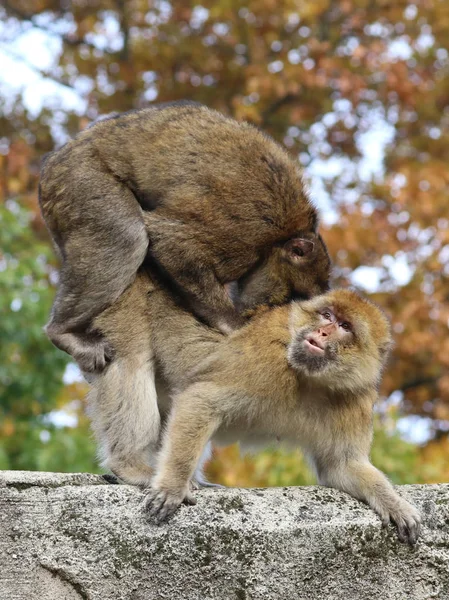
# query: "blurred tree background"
357,90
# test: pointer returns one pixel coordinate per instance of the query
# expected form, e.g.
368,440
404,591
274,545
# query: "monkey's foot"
159,505
133,472
111,479
407,520
197,484
91,351
95,356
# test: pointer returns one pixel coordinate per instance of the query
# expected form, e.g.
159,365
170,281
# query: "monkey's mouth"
314,347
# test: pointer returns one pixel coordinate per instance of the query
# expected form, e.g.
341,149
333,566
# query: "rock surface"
67,537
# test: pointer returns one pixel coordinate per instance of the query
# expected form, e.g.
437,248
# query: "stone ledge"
74,536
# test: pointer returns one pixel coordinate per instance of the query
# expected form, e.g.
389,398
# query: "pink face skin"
330,329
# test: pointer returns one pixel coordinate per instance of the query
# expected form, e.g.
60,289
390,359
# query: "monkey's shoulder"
267,325
253,369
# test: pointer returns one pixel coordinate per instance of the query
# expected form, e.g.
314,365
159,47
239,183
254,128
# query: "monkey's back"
255,357
193,164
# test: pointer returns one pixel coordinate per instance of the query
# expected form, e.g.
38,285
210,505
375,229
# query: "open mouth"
313,347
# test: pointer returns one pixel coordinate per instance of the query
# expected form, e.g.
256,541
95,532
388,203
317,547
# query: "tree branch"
41,72
418,382
279,103
124,28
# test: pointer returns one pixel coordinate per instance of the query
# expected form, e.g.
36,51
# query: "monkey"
305,373
206,199
127,408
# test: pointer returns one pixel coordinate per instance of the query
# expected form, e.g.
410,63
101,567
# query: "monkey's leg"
186,261
164,400
101,246
190,425
125,418
363,481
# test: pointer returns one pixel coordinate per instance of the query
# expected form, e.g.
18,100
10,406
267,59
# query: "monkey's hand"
91,350
362,480
161,504
407,519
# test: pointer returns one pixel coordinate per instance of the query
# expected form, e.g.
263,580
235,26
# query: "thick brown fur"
205,198
248,387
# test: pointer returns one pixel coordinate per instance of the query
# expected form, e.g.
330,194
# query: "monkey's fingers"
414,533
160,505
408,530
210,484
408,522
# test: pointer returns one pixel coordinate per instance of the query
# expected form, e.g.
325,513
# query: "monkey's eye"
345,325
327,315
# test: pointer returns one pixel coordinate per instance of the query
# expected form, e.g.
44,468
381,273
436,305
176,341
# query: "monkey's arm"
358,477
191,424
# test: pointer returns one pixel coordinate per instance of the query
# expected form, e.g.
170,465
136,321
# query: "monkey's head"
296,269
340,340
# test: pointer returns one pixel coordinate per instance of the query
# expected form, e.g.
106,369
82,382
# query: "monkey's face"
339,340
315,348
298,269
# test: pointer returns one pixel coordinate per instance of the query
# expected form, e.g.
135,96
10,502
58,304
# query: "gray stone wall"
71,537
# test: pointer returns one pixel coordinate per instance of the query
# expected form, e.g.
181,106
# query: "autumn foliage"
356,89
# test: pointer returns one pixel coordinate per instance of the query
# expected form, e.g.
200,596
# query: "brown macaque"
203,198
305,373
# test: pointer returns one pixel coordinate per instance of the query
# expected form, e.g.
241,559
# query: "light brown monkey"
305,374
125,406
221,201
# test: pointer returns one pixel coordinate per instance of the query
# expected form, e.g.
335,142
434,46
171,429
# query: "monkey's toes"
210,484
111,479
197,482
109,352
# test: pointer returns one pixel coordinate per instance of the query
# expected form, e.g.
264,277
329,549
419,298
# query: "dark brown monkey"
306,373
221,201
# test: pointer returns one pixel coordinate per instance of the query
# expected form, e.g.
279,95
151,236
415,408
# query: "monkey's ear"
297,249
385,349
